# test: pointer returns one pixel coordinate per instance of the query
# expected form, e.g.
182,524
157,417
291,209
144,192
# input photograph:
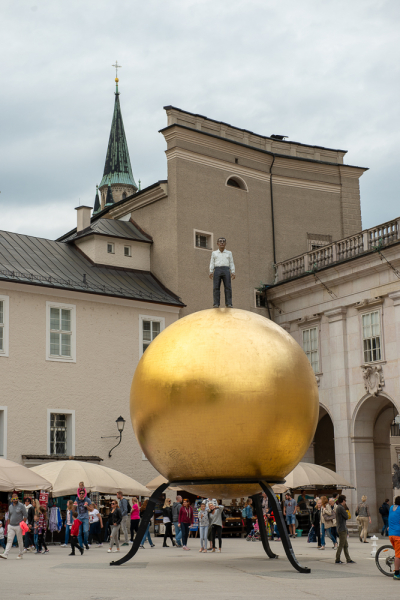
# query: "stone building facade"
341,303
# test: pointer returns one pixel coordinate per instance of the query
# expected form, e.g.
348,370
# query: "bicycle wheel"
384,560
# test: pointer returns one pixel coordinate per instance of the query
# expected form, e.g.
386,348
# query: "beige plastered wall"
96,387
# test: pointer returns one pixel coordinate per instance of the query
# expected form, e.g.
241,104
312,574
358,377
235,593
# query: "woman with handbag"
316,521
167,521
328,520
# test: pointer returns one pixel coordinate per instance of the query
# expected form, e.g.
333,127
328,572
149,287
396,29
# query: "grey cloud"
322,73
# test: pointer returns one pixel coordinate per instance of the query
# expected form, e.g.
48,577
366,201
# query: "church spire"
96,207
117,168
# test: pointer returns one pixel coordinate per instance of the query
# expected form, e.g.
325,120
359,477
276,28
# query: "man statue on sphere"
222,268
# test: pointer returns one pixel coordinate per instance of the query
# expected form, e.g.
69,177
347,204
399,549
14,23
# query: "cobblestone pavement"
242,570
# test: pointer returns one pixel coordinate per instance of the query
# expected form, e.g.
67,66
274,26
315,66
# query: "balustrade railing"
354,245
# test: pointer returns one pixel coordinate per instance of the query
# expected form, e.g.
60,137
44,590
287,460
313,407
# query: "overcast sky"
324,73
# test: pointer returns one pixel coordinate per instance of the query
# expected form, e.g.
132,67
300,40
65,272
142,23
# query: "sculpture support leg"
263,530
282,528
145,520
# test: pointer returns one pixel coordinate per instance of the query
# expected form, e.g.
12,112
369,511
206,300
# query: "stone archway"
322,450
371,450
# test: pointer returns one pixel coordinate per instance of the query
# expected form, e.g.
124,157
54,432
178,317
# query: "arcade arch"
371,441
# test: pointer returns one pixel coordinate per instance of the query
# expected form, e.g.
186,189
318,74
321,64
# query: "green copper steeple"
117,169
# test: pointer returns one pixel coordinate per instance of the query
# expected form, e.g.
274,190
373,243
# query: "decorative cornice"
309,319
359,439
395,296
336,314
369,302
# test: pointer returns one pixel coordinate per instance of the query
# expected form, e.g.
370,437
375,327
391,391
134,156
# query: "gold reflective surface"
224,393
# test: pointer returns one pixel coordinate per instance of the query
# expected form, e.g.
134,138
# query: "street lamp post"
120,426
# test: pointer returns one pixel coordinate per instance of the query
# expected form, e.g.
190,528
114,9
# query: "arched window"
124,195
236,182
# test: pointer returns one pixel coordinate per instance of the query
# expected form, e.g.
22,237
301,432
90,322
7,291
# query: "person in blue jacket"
394,534
82,504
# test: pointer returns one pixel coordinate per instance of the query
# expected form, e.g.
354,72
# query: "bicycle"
384,560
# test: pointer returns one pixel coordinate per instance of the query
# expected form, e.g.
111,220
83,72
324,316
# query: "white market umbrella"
65,476
310,475
155,483
14,476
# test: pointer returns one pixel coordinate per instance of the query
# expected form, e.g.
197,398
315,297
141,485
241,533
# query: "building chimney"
83,217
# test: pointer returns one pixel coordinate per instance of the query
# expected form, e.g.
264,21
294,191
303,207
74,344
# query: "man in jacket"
176,507
16,514
30,514
384,510
125,524
82,504
341,518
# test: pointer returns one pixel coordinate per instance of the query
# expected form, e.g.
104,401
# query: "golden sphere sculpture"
224,394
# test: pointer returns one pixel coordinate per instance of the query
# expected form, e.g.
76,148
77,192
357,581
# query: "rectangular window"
203,239
61,332
371,328
110,248
4,325
310,347
60,432
127,251
150,327
260,300
3,431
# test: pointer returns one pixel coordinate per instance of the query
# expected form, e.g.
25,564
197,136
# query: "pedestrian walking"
328,520
68,522
289,510
74,539
332,503
147,532
28,538
364,518
185,521
215,522
384,512
176,507
82,504
341,520
394,534
316,521
247,514
2,542
203,526
115,519
167,521
42,530
16,514
95,526
135,518
126,516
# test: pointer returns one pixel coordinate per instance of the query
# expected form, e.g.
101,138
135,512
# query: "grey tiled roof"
112,228
37,261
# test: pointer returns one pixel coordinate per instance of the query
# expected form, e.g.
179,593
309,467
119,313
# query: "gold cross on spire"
117,66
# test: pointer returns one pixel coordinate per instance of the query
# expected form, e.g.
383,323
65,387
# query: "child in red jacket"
74,534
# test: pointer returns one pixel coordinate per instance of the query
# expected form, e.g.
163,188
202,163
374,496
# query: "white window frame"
112,247
70,429
371,310
3,426
129,251
142,318
72,308
6,326
308,328
206,233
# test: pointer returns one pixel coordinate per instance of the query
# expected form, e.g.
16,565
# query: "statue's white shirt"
222,259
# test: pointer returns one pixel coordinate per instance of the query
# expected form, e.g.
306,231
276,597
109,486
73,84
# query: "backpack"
128,506
244,512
